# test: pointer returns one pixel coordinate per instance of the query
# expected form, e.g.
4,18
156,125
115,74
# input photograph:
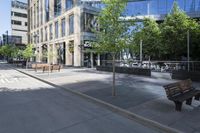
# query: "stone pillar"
51,6
67,26
63,6
77,37
54,52
53,31
40,53
91,60
48,53
68,58
98,60
43,11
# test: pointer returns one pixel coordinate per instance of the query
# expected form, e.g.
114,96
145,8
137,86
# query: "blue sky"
5,22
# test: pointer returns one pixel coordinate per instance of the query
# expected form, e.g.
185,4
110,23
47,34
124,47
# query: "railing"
160,66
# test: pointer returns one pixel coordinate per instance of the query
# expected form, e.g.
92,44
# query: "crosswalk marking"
4,78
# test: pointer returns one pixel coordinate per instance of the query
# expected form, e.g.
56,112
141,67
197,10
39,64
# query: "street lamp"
141,45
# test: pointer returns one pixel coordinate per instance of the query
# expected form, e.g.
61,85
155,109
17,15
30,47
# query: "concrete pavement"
141,95
30,106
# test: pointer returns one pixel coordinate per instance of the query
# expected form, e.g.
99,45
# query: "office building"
19,22
62,28
158,9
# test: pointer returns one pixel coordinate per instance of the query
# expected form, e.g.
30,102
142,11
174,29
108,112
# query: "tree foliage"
149,33
168,40
113,31
28,52
174,32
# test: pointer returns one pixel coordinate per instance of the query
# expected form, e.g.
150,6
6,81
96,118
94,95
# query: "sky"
5,15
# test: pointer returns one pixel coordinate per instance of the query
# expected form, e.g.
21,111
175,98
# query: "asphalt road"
31,106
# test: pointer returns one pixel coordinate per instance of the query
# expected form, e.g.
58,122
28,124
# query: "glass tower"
160,7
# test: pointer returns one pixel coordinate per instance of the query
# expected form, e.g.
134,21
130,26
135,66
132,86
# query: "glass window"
162,7
57,7
169,5
38,37
153,7
63,27
41,12
50,32
31,16
190,5
41,32
46,36
197,5
56,29
181,4
136,8
47,10
34,15
16,22
69,4
71,24
38,11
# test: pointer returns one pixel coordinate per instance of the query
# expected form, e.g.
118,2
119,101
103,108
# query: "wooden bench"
38,66
51,68
56,67
181,91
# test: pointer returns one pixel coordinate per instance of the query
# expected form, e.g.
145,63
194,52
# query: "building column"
91,60
98,60
51,9
48,52
63,5
77,37
43,12
54,52
68,55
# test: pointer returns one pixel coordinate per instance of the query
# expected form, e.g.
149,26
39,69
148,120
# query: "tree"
174,32
149,33
112,33
28,53
7,51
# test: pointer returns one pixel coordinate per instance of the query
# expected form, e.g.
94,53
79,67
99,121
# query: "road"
31,106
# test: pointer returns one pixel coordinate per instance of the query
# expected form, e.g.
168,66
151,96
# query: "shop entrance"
90,59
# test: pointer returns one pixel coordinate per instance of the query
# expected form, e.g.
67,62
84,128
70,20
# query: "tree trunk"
113,85
26,63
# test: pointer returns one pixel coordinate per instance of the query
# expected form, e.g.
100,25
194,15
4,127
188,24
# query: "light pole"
141,52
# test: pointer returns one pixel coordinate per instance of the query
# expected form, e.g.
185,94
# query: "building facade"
19,20
158,9
60,30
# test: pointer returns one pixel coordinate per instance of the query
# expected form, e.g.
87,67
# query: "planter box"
126,70
182,75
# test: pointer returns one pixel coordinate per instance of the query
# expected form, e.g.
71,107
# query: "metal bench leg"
178,105
197,97
189,101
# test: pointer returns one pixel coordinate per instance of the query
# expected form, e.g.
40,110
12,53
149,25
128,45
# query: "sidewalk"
28,105
141,95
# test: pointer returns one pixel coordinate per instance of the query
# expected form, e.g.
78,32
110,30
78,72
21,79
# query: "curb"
144,121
